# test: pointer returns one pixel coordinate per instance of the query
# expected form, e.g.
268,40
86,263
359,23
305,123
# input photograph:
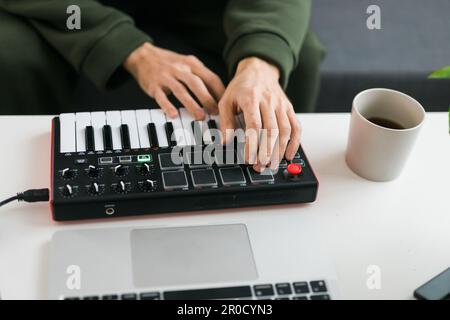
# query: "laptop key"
110,297
300,298
263,290
150,296
212,293
318,286
320,297
91,298
129,296
283,288
301,287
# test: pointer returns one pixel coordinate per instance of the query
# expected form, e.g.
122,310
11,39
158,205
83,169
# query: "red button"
294,169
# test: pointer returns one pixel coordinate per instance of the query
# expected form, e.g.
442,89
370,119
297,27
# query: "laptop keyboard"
302,290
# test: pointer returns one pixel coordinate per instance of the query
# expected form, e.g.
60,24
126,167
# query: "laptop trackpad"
191,255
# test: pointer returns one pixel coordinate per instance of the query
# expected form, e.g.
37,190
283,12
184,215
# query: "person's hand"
160,72
255,91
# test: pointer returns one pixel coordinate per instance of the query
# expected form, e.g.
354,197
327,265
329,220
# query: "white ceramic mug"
376,152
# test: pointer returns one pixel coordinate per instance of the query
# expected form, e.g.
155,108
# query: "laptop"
251,260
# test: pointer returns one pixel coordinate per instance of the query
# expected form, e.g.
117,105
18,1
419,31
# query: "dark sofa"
414,41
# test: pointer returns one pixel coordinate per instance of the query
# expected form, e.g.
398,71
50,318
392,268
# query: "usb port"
125,159
144,158
106,160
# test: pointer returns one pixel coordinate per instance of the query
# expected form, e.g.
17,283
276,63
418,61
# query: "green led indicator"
144,158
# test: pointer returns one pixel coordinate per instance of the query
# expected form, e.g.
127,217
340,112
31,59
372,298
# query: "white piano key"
98,121
82,120
206,134
178,130
159,119
143,119
129,118
216,118
114,120
67,132
186,120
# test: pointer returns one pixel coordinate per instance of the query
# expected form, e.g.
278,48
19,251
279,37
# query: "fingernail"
199,114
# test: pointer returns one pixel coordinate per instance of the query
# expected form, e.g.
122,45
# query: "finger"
212,80
227,120
296,131
253,125
284,128
199,89
182,94
269,134
167,107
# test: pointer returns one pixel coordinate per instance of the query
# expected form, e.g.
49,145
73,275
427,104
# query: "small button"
174,180
204,178
167,163
294,169
301,287
105,160
125,159
300,162
318,286
81,161
263,290
150,296
232,176
283,288
256,177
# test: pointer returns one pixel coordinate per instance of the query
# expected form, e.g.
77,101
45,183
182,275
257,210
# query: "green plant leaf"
443,73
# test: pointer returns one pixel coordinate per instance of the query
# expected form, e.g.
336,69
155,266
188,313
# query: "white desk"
402,226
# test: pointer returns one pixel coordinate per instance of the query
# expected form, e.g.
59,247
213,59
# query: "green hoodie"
274,30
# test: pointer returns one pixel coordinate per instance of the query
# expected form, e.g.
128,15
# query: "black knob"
144,169
93,171
68,173
94,188
120,170
121,187
148,185
67,190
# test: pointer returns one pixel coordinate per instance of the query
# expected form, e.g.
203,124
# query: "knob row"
95,172
121,187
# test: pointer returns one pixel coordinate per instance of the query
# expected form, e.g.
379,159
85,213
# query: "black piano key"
213,293
152,136
125,134
168,126
212,124
107,137
90,142
197,131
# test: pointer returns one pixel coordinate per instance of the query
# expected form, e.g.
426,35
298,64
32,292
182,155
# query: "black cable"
32,195
8,200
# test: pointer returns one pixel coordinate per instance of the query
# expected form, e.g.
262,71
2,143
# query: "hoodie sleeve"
98,49
273,30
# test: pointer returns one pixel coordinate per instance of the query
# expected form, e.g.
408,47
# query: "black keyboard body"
137,197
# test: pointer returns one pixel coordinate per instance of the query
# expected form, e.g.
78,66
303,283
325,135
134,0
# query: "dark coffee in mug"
386,123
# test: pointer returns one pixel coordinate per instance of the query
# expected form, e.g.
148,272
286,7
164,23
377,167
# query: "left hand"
255,91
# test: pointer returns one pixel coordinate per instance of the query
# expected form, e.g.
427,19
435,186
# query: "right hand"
160,72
